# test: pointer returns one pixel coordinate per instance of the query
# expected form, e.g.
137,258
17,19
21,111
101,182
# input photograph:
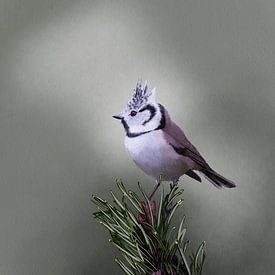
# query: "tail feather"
217,180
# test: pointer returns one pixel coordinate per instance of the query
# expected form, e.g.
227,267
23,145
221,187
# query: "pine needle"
145,236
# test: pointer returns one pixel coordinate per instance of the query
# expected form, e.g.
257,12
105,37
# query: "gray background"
67,66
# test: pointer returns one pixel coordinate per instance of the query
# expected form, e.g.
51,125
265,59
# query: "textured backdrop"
67,66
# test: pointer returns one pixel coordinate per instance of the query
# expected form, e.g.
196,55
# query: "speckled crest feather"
140,97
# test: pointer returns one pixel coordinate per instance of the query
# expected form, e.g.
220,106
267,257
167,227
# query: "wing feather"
183,146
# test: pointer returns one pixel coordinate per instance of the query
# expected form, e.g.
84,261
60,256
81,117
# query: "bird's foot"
154,191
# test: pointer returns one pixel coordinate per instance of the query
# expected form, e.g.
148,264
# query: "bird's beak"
119,116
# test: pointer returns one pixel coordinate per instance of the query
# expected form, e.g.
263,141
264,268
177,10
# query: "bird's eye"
133,113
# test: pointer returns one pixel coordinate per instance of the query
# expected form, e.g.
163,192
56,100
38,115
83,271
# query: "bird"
158,146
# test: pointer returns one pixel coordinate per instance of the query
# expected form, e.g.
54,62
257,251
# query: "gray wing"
183,146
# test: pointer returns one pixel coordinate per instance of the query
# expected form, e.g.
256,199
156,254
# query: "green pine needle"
141,230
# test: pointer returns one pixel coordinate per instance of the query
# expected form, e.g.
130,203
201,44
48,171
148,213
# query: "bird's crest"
141,96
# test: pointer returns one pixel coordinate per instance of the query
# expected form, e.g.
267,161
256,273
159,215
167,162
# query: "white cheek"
144,116
138,127
138,119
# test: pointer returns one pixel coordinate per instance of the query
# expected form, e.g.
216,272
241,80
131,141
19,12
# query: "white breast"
155,156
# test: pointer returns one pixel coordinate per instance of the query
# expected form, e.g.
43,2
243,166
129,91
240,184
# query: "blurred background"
67,66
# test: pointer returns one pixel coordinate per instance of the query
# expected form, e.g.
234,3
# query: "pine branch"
144,235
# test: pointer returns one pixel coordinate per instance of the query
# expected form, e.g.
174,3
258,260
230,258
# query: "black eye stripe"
152,111
150,108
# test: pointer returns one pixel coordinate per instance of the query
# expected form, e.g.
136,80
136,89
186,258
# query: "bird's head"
142,113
